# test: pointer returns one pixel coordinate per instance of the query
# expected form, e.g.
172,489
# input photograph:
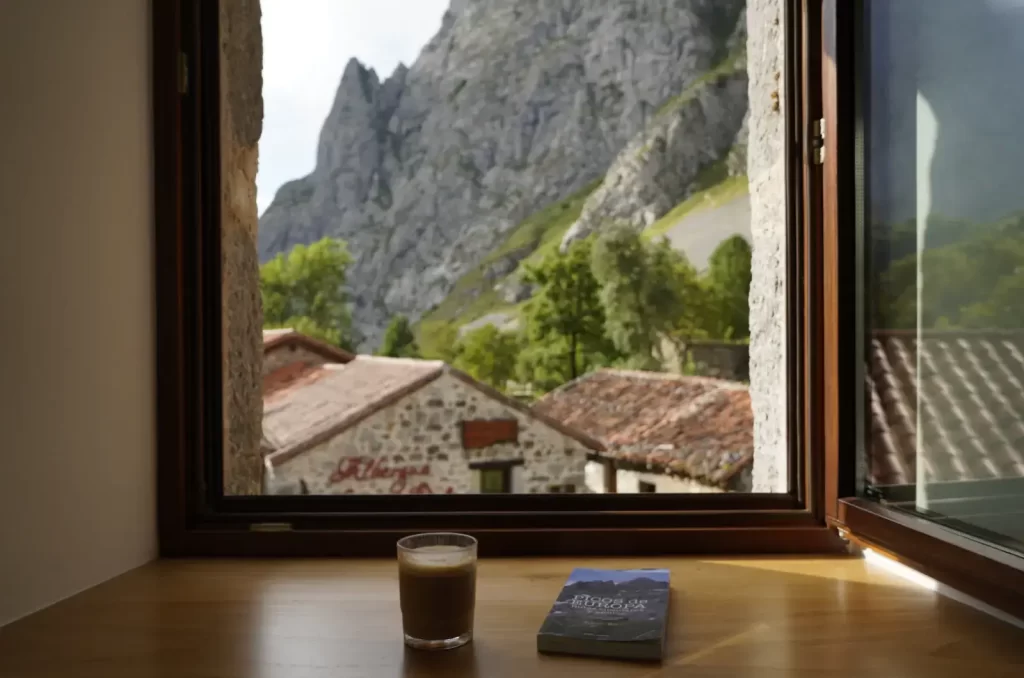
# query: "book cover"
609,613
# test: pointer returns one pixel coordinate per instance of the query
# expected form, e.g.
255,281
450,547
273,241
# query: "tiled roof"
324,400
327,399
969,396
694,427
273,339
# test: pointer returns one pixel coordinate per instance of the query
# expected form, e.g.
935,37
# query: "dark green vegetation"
617,300
399,341
474,295
971,275
614,299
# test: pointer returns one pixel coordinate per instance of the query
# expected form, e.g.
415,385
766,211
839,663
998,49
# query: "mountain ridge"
510,107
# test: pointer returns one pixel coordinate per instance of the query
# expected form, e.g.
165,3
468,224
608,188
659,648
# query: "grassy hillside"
714,196
474,296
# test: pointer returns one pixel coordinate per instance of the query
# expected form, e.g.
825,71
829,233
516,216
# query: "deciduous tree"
305,290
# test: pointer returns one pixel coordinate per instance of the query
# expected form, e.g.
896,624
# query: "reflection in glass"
944,266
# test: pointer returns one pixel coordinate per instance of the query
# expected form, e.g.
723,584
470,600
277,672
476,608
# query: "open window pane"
944,236
500,231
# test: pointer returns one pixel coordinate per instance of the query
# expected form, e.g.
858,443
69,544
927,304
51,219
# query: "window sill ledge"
729,616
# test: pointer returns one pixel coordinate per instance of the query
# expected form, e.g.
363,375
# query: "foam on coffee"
437,557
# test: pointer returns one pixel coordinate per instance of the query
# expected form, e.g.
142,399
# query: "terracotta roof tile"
307,407
328,398
966,392
276,338
694,427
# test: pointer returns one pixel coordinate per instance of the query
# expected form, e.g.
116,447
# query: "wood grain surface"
326,618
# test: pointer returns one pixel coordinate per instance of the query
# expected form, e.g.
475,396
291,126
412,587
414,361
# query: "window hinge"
270,527
817,144
182,73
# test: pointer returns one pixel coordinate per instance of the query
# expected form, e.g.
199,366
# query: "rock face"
692,132
514,104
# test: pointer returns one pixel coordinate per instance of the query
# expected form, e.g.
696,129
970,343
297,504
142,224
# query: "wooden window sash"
978,568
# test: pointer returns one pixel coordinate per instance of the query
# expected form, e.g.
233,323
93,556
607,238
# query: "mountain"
513,108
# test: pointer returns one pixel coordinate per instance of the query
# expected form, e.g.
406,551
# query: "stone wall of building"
628,482
415,445
767,174
721,359
241,78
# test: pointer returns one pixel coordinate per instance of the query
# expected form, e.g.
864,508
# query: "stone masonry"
423,432
766,168
241,126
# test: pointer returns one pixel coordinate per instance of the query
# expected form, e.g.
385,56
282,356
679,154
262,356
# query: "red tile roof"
970,409
694,427
325,400
277,338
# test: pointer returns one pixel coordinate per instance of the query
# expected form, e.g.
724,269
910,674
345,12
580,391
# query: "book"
609,613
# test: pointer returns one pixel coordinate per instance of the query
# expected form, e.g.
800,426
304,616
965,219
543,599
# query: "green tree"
399,341
728,280
566,310
644,292
439,340
305,290
490,355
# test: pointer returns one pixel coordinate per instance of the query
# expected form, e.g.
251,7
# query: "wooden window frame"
981,569
196,520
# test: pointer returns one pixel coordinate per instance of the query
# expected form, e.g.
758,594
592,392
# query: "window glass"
510,231
494,480
943,215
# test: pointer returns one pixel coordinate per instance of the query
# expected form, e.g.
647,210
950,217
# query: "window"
920,220
588,319
645,487
943,239
482,434
497,477
584,334
494,480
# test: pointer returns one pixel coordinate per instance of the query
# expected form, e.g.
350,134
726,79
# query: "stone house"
399,426
660,432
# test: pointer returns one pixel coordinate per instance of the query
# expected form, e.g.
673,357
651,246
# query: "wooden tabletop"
329,618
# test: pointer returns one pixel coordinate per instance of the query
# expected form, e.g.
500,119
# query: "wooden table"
329,618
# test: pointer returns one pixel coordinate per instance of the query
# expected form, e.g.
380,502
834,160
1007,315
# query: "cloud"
306,44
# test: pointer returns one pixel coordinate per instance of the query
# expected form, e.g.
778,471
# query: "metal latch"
818,142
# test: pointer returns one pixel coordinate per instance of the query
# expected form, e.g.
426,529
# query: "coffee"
437,586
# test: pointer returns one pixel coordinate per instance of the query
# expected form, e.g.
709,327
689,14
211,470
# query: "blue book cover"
609,613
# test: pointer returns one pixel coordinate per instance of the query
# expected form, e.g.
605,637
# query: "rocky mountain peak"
512,106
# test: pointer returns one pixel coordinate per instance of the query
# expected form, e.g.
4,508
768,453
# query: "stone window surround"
241,127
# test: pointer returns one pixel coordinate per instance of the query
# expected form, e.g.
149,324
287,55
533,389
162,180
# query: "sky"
617,576
306,44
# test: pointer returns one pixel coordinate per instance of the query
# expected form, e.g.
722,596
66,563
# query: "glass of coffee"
437,588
